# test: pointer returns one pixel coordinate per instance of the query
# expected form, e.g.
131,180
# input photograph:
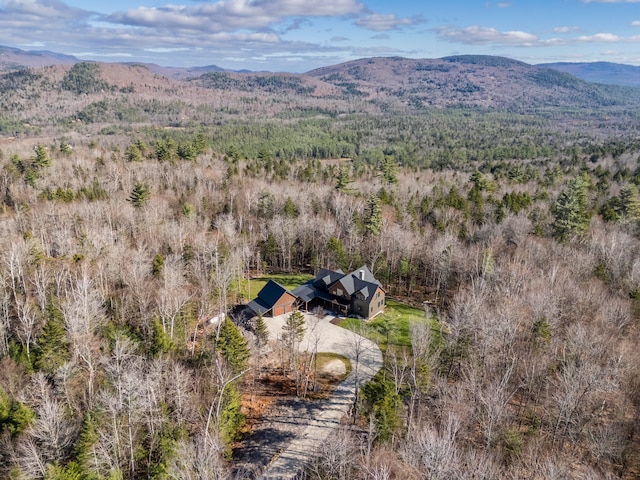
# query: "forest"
126,222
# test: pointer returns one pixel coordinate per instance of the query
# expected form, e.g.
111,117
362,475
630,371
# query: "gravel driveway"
366,361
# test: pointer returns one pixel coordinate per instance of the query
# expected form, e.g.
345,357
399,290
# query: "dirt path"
289,435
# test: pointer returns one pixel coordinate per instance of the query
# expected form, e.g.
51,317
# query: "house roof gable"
326,277
272,292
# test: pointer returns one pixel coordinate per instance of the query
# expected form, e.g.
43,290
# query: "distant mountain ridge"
471,81
595,72
386,86
600,72
15,58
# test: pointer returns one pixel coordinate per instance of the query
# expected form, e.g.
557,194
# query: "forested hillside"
135,207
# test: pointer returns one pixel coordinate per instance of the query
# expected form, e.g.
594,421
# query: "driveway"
366,361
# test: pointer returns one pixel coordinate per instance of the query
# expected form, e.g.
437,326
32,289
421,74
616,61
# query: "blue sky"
299,35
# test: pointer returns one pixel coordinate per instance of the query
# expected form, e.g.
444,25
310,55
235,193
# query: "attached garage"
273,300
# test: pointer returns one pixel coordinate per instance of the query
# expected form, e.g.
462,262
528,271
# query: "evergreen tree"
200,144
389,171
231,417
373,216
15,416
629,203
165,149
233,346
262,333
139,195
343,180
187,151
570,212
53,348
334,245
291,209
157,267
41,159
133,154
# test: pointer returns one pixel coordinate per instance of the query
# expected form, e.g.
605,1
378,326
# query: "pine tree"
139,195
262,333
157,267
629,203
291,209
233,346
389,171
133,154
293,333
41,159
53,348
373,216
571,214
343,180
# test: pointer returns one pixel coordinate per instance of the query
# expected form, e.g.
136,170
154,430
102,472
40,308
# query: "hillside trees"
537,331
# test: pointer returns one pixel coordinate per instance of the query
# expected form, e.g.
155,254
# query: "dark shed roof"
268,297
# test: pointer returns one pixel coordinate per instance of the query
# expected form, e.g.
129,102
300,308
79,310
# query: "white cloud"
599,38
40,9
381,23
102,55
565,29
232,15
503,5
165,49
476,35
635,23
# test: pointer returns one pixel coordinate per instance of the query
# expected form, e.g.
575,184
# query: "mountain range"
594,72
46,89
600,72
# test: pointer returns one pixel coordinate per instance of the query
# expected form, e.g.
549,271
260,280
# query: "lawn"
392,326
249,289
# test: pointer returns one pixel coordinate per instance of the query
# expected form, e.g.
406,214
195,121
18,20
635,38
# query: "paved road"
329,338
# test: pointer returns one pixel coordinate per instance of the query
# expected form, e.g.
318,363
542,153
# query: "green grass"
287,280
392,326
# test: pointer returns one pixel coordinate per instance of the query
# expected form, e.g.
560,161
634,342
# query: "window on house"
339,292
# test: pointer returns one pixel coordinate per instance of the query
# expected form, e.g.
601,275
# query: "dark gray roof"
267,297
363,273
272,292
305,292
358,280
368,289
258,307
327,277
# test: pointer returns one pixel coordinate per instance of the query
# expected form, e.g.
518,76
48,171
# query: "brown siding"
285,304
338,286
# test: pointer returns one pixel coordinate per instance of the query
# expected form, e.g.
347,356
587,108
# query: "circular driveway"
366,360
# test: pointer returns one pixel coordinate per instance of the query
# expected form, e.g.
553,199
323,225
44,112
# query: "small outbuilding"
273,300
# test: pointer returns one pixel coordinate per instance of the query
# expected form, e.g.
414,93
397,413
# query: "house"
364,294
356,293
273,300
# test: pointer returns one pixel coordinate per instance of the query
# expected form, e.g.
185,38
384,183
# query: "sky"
299,35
